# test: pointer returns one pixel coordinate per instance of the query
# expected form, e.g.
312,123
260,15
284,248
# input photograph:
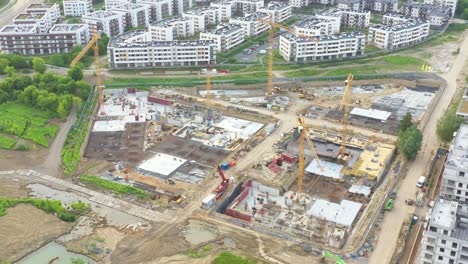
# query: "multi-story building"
299,3
213,15
297,49
279,11
169,30
454,184
316,27
445,239
332,15
384,6
439,16
355,5
200,20
27,39
109,4
225,37
451,4
227,8
42,15
111,24
77,8
134,50
248,6
159,9
348,18
180,6
398,36
416,9
251,24
395,19
134,15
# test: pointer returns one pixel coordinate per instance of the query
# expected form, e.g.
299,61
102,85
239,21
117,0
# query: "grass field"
114,186
6,142
27,122
229,258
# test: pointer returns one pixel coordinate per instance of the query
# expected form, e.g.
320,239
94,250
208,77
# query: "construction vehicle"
344,106
304,95
223,185
389,204
336,258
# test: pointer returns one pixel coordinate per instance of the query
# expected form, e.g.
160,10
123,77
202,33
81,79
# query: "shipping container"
160,101
288,157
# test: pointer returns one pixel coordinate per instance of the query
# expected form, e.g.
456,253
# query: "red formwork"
160,101
288,157
234,212
131,90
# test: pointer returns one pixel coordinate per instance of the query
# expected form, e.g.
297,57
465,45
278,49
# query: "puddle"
196,235
53,251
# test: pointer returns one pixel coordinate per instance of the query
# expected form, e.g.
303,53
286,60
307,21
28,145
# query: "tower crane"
271,32
208,95
344,106
93,43
304,135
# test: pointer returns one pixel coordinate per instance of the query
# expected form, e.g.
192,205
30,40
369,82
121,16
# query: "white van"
421,182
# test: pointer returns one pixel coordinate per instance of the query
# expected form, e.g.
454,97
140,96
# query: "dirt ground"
11,188
25,228
14,160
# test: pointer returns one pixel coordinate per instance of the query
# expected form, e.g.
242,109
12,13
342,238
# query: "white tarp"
371,113
162,164
330,169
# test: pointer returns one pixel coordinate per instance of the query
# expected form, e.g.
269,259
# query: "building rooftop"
99,14
60,28
127,7
343,214
225,29
252,17
458,155
20,29
440,11
335,12
312,23
126,41
41,6
274,5
324,38
417,4
170,22
444,214
399,27
161,164
386,1
372,161
30,16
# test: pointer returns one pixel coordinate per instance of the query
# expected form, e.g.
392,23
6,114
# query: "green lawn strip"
6,142
114,186
229,258
403,60
46,205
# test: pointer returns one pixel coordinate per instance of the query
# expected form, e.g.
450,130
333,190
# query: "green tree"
448,124
38,65
3,64
83,89
102,44
405,123
409,142
76,73
10,71
57,60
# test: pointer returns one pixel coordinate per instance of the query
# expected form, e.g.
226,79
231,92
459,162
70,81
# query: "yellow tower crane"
208,96
271,32
93,43
304,135
344,106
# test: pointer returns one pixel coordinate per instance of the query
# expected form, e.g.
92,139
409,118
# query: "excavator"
219,191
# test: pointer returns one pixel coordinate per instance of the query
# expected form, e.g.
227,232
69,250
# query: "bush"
46,205
114,186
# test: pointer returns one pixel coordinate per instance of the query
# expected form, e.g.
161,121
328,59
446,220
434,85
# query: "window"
451,261
445,232
461,174
453,253
433,229
441,258
454,245
442,250
443,241
460,185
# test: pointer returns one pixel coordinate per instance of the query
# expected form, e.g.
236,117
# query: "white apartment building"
227,8
398,36
416,9
213,15
452,4
299,3
109,4
250,23
77,8
200,20
132,50
454,184
355,5
348,18
27,39
134,15
42,15
248,6
296,49
395,19
159,9
445,239
279,11
109,23
225,37
439,16
385,6
332,15
180,6
169,30
315,27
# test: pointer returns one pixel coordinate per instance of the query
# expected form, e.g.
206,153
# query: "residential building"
315,27
454,184
398,36
451,4
245,7
77,8
279,11
416,9
445,238
225,37
297,49
42,15
133,50
395,19
171,29
109,4
439,16
333,15
213,15
251,24
27,39
354,5
200,20
299,3
227,8
134,15
348,18
462,110
180,6
111,24
384,6
159,9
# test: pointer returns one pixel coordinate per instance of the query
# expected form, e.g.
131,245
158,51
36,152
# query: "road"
20,5
393,220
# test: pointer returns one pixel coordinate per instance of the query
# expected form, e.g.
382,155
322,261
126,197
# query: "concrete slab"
330,169
344,213
162,164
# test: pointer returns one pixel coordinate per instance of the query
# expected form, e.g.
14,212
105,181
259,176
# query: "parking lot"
250,53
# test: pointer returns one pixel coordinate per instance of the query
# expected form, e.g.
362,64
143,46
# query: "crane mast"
344,106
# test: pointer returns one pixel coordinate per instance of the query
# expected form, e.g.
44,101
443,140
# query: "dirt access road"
407,189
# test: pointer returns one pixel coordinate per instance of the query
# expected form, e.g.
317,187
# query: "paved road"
393,220
7,17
